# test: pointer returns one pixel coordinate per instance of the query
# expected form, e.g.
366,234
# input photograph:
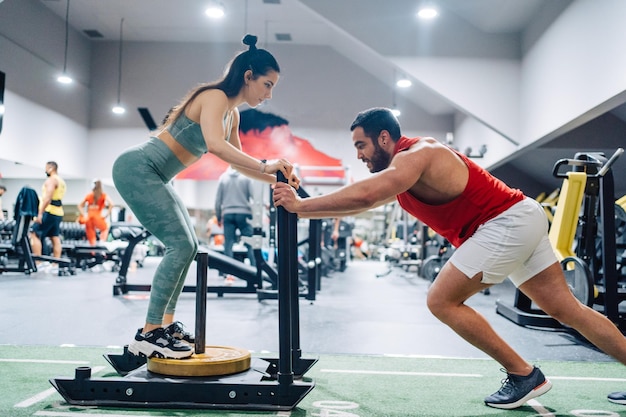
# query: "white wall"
32,135
576,66
487,89
468,129
32,41
570,74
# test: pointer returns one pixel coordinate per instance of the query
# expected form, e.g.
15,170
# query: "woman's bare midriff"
183,155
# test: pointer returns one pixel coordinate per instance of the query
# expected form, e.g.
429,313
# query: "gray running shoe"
160,344
516,390
617,397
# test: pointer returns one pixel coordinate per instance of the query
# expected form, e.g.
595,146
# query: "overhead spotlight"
118,109
404,83
215,10
427,12
64,79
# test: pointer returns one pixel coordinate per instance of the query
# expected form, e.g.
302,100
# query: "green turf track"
345,386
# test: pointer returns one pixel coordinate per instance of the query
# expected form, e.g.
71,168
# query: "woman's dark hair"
375,120
259,61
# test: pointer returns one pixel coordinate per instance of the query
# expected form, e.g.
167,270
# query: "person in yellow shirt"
48,220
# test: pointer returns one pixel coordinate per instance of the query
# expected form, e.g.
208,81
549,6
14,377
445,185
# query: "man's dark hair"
375,120
2,187
53,165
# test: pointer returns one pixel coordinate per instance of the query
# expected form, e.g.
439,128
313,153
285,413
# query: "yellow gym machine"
583,235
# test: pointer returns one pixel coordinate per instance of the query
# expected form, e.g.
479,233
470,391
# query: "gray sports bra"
189,134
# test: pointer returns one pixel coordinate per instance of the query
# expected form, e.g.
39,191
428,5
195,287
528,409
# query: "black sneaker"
160,344
516,390
617,397
177,331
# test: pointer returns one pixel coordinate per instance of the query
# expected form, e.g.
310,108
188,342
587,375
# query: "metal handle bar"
586,163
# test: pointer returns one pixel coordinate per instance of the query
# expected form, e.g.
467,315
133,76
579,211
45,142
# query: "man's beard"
379,160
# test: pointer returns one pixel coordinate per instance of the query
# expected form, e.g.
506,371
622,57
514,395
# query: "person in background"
3,190
498,233
215,232
90,213
233,200
342,241
48,220
206,120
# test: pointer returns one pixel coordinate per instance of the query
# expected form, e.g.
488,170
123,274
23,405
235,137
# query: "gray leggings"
141,175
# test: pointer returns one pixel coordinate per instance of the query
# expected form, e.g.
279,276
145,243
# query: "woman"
207,120
93,219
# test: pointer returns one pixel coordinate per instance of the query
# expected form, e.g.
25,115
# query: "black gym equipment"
16,254
269,385
590,271
217,260
256,277
2,82
309,272
432,265
76,247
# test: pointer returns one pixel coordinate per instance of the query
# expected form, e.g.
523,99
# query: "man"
497,230
3,189
233,209
48,220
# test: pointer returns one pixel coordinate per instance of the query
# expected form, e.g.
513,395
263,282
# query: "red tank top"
484,198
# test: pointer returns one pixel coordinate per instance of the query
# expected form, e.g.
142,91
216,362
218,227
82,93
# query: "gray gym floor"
354,313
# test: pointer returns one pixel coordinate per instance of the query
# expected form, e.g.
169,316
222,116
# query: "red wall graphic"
266,136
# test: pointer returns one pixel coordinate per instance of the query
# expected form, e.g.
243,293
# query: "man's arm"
337,213
404,171
49,186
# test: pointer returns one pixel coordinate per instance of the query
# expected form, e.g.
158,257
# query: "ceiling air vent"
286,37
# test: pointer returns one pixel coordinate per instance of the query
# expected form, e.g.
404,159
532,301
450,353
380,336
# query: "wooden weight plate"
216,360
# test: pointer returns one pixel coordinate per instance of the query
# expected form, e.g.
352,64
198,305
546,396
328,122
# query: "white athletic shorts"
514,244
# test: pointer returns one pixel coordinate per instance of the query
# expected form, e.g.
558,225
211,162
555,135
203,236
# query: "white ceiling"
184,20
368,32
365,31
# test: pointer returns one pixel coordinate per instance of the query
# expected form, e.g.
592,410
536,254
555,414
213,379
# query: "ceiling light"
64,78
118,108
404,83
215,10
396,112
427,13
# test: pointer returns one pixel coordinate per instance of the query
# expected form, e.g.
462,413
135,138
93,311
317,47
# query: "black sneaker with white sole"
178,331
516,390
617,397
160,344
